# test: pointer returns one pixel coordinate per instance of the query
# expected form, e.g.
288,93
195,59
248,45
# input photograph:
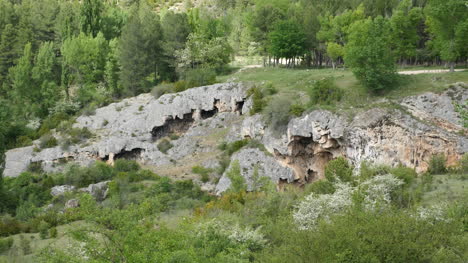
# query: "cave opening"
239,106
173,126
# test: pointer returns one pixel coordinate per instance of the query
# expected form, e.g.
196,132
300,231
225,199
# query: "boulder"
61,189
98,191
72,203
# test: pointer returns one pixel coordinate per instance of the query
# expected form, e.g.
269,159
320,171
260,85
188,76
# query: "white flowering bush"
377,190
316,207
247,237
432,213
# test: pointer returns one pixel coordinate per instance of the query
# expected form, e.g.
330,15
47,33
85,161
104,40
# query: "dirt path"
415,72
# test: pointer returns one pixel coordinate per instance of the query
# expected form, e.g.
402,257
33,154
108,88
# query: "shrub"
122,165
296,110
181,85
5,244
277,113
43,229
53,232
238,183
404,173
200,77
231,148
47,141
78,135
324,92
463,164
339,170
25,245
321,187
162,89
164,145
437,164
203,172
258,102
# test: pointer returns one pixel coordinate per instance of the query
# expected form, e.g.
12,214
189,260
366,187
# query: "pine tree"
7,51
91,11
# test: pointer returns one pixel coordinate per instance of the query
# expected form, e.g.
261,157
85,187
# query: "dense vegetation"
60,59
148,218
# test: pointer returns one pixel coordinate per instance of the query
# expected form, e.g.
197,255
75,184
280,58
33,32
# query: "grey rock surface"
249,159
99,190
72,203
61,189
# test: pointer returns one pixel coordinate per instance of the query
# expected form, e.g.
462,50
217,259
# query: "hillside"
233,131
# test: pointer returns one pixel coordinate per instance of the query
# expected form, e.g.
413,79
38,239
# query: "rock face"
130,128
61,189
251,159
98,191
199,119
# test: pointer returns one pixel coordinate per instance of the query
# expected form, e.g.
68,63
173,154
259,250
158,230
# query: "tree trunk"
452,66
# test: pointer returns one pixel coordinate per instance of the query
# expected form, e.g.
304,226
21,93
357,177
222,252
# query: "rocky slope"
202,118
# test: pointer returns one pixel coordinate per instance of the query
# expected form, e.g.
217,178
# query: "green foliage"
447,22
238,183
324,92
5,244
287,40
204,172
198,77
162,89
369,55
47,141
339,170
53,232
320,187
278,113
437,164
231,148
25,245
122,165
43,229
165,145
258,102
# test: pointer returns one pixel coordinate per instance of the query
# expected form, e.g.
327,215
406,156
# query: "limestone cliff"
408,133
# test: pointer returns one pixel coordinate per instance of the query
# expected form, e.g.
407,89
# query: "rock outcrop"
407,132
130,128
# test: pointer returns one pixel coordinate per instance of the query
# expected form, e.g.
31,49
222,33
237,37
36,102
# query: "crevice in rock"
239,106
173,126
307,158
134,154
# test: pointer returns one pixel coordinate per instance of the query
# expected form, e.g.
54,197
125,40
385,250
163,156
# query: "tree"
404,29
46,78
23,91
369,55
287,40
176,29
334,51
141,50
91,13
447,21
7,51
112,68
84,59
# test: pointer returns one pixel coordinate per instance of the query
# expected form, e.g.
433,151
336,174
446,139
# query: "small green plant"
25,245
164,145
320,187
122,165
339,170
203,172
238,183
43,229
162,89
47,141
258,102
180,86
437,164
324,92
278,113
141,108
231,148
53,232
296,110
5,244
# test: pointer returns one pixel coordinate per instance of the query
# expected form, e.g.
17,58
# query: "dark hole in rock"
205,114
134,154
239,106
173,126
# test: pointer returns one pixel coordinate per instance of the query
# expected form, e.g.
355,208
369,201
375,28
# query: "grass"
446,188
294,83
15,254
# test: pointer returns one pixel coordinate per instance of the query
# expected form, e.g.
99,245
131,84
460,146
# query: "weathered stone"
99,191
72,203
17,161
61,189
249,159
